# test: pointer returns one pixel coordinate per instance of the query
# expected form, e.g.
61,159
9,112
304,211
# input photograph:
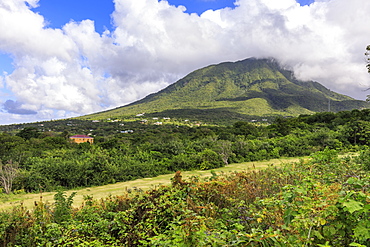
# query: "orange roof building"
82,138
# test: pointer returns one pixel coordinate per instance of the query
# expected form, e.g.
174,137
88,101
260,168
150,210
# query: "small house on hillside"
82,138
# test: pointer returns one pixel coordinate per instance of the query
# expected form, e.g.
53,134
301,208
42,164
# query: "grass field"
121,188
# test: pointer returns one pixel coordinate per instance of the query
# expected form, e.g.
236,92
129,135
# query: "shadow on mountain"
279,100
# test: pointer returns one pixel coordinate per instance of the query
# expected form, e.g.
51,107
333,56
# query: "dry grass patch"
121,188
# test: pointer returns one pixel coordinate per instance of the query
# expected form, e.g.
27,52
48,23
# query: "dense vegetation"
47,160
320,202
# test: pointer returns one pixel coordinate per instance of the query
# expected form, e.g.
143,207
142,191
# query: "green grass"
98,192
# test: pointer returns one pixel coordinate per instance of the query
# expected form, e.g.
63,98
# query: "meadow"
98,192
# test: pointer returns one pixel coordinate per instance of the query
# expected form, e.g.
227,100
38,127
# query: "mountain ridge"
247,89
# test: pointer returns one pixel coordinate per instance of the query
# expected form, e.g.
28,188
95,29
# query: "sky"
66,58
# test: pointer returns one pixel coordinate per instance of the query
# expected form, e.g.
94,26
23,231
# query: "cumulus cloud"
76,70
16,108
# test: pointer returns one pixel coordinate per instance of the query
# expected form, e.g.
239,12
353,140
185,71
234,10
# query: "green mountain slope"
243,90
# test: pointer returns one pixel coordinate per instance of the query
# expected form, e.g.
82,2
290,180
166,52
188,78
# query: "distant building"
82,138
127,131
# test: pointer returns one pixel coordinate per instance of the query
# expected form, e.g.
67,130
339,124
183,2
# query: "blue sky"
62,58
60,12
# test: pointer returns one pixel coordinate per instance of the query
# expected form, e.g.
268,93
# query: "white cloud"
75,70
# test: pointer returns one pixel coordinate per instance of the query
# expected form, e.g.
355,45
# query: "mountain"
233,91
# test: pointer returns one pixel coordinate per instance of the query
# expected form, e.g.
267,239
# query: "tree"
357,132
223,148
8,173
209,159
28,133
245,129
11,147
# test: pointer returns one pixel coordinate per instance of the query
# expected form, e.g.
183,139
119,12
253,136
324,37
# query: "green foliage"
12,148
248,130
28,133
364,158
50,161
292,205
63,206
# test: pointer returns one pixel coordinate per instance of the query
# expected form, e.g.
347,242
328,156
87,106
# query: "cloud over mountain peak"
76,70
